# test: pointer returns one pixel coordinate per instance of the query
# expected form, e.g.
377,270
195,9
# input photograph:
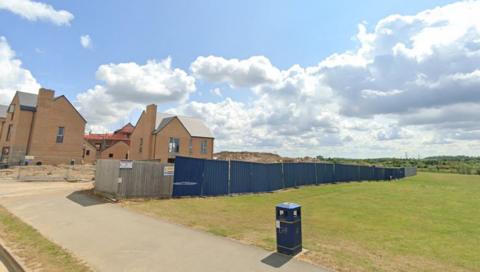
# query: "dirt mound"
264,157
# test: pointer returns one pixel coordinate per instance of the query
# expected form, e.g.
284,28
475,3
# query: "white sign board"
124,164
168,170
29,158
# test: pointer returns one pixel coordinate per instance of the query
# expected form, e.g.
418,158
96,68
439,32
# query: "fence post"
283,176
316,176
229,182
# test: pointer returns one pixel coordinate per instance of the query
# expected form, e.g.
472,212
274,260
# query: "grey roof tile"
27,99
194,126
3,111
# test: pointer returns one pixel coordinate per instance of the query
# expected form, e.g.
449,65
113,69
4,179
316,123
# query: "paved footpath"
111,238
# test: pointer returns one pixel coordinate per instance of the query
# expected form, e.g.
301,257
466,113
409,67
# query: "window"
98,147
174,145
60,134
204,147
87,153
126,156
190,147
110,155
9,132
140,148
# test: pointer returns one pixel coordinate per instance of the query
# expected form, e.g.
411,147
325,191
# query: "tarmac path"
111,238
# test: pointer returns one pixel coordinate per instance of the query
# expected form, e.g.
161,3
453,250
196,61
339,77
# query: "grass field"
429,222
39,254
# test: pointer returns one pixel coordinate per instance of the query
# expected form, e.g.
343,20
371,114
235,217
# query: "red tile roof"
119,135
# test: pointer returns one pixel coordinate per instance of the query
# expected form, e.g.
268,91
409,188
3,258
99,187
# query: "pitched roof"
106,136
194,126
3,111
127,129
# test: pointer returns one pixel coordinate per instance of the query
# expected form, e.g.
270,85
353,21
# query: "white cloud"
414,82
86,41
413,85
129,86
13,77
34,11
238,73
410,62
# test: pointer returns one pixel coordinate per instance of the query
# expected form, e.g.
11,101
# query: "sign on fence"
168,170
124,164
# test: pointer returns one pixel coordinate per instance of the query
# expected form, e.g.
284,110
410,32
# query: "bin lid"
288,205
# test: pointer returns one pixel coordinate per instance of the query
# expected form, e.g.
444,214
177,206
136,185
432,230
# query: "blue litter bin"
289,228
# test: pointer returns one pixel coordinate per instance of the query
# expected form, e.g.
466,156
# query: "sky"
300,78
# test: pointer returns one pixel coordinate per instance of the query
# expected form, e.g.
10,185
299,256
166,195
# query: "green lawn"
429,222
38,253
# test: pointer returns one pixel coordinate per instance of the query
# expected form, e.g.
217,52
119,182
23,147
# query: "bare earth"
49,173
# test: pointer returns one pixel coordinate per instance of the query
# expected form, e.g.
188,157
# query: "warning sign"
168,170
124,164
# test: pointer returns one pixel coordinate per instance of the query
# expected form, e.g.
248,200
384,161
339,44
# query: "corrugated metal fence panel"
260,178
354,172
343,173
410,171
275,176
291,174
215,178
188,177
325,173
309,175
106,176
389,173
366,173
240,177
379,173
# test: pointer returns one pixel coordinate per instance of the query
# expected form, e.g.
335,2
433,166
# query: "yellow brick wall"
119,150
50,115
175,129
143,130
92,156
20,133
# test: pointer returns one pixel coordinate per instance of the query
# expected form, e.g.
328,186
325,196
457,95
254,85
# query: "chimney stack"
45,96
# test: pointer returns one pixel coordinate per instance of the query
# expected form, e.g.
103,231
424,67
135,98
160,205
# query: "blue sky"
286,32
283,35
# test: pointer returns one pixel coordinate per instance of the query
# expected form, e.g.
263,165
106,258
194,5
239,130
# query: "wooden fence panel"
106,176
144,179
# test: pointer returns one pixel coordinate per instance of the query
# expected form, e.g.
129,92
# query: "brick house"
3,117
114,145
45,127
89,153
160,136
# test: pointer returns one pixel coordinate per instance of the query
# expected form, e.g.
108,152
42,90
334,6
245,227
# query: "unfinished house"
114,145
41,129
161,137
